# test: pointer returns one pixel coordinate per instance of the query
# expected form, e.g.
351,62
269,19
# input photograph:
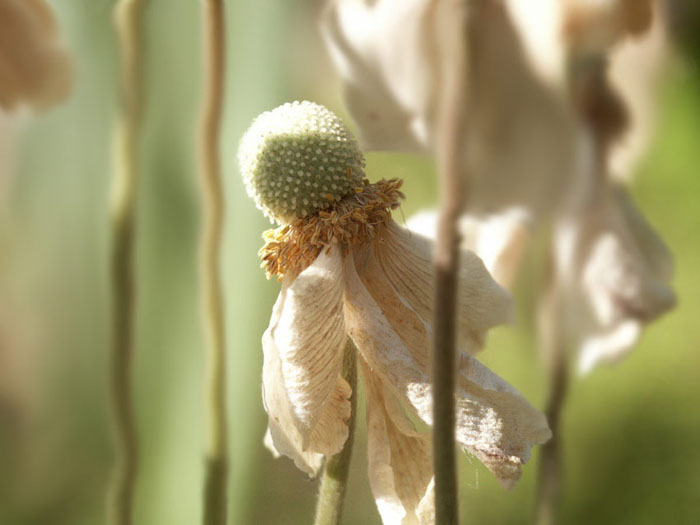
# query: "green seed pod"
298,159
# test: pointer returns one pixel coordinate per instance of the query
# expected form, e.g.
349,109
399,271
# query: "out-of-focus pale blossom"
521,139
612,275
611,271
500,240
35,69
350,273
524,150
593,26
635,71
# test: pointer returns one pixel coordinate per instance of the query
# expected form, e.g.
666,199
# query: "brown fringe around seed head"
351,221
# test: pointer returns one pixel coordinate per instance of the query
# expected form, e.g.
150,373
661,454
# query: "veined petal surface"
494,422
406,259
305,395
400,458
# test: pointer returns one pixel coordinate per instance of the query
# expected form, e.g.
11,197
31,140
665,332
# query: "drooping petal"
305,396
283,436
310,336
613,275
406,259
400,458
331,431
386,54
494,422
498,239
636,71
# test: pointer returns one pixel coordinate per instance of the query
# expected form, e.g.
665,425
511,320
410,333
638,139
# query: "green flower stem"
329,507
128,22
216,463
453,130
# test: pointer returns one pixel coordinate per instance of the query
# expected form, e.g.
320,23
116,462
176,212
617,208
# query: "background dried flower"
35,69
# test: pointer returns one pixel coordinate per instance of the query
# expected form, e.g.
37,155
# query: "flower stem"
128,22
602,116
216,462
549,477
452,140
329,507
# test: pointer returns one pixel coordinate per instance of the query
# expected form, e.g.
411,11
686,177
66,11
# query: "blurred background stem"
329,506
128,22
210,255
549,474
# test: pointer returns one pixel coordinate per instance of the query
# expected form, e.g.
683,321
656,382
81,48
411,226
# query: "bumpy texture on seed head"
298,159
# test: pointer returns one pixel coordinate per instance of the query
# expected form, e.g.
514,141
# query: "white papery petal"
406,259
310,337
400,458
385,52
306,398
613,277
494,422
283,436
498,239
636,67
539,23
331,430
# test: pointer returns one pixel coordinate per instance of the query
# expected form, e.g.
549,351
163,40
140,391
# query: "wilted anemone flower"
350,273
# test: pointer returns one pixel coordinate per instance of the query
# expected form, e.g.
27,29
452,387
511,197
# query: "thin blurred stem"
128,25
602,116
452,140
329,507
212,294
549,476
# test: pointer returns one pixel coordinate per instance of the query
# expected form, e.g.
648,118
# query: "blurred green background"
631,432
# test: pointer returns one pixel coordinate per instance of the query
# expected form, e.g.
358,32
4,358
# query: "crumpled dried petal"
303,358
494,422
400,458
282,436
406,260
34,68
614,274
498,239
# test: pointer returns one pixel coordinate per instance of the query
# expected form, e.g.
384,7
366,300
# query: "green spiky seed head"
298,159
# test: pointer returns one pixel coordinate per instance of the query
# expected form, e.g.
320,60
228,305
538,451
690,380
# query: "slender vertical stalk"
128,22
452,174
210,252
329,507
602,117
549,475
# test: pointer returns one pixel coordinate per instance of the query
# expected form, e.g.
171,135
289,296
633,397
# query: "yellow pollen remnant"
351,221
